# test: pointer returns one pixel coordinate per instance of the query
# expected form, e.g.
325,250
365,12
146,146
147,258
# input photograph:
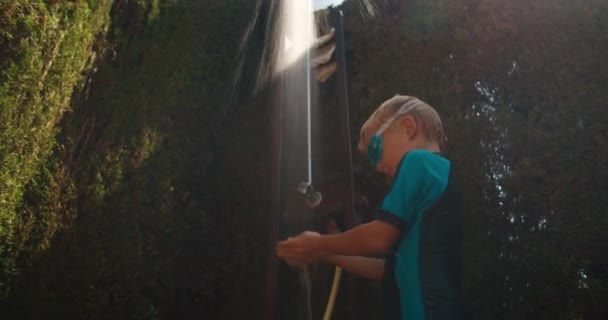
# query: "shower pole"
348,196
336,18
270,308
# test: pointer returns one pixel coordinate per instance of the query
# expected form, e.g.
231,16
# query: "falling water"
290,33
271,63
285,69
292,39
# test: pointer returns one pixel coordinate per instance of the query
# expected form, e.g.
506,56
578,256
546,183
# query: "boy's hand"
300,250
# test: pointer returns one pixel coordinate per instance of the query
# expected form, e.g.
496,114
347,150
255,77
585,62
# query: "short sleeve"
420,180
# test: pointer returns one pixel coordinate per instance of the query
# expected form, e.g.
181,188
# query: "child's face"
396,142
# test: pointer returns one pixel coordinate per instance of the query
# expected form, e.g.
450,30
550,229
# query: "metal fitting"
313,198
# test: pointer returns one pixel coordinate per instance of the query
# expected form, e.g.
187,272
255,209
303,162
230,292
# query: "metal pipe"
337,21
270,312
308,105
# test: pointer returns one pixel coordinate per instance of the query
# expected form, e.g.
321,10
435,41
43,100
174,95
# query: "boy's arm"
372,238
371,268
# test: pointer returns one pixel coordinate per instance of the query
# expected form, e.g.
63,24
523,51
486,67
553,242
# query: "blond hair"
425,116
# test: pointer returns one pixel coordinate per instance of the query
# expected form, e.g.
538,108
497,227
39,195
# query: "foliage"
121,214
47,48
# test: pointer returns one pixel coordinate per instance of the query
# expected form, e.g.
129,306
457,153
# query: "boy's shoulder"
420,165
422,155
420,180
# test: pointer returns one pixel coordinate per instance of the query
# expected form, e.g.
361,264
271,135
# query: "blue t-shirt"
422,275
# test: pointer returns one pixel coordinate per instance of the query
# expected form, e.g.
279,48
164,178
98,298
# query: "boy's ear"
410,126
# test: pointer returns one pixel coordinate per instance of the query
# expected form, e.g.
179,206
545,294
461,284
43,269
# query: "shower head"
312,197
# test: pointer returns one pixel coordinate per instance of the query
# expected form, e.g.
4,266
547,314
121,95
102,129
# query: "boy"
419,226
